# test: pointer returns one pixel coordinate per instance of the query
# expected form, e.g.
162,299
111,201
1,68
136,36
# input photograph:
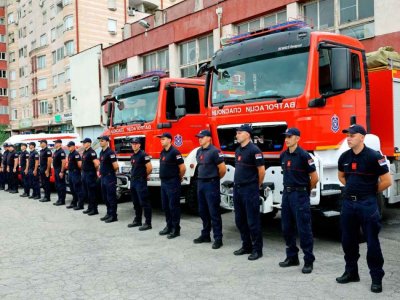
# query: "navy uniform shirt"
107,158
44,154
362,171
33,157
247,161
138,163
1,159
169,163
23,157
73,159
11,159
208,160
296,167
5,154
58,156
88,157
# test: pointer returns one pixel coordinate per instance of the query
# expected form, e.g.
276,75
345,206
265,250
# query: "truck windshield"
136,108
275,76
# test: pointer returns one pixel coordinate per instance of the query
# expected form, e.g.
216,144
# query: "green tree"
3,133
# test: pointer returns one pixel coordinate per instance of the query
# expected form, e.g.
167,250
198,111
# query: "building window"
41,62
67,74
23,71
353,10
3,74
33,45
66,2
156,61
61,77
320,14
13,94
3,110
2,38
42,84
43,107
263,22
3,92
2,22
54,57
69,48
193,53
116,73
10,18
68,22
44,14
59,107
112,26
53,34
11,56
52,12
60,53
14,114
11,38
2,56
13,75
43,40
59,30
68,95
55,80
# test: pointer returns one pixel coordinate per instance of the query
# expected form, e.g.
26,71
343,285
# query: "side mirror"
202,69
110,106
180,97
180,112
341,69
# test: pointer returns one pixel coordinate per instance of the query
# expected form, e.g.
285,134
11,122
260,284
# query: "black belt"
358,197
138,177
290,189
245,184
208,179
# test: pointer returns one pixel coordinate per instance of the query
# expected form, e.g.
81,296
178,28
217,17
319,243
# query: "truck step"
330,213
330,192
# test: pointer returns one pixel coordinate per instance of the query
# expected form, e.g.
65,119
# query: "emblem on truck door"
178,140
335,123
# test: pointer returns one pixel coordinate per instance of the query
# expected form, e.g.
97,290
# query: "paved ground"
49,252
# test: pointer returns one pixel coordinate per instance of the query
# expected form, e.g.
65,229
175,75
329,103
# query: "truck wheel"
191,197
268,217
381,205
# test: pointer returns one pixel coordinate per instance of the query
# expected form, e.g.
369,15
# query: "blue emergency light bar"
160,74
286,26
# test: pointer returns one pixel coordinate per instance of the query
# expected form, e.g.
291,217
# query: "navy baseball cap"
5,145
245,127
32,144
86,140
135,140
165,134
43,141
71,143
355,128
24,144
203,133
11,145
58,141
292,131
104,138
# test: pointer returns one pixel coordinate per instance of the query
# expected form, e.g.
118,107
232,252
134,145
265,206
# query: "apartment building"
4,112
42,35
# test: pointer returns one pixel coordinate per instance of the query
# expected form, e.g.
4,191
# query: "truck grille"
268,137
123,145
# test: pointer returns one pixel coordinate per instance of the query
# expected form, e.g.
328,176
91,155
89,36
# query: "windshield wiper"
222,103
130,122
279,98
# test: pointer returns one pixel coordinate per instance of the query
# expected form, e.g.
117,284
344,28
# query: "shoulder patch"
220,154
77,156
178,156
112,155
382,162
311,162
49,152
62,154
93,154
258,156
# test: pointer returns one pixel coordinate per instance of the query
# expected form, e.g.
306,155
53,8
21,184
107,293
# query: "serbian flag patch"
311,162
258,156
382,162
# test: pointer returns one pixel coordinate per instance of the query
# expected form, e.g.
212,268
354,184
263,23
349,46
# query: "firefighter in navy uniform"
172,170
364,173
23,163
33,172
108,167
299,177
1,172
249,176
12,168
211,168
74,177
4,167
45,161
59,159
90,164
141,169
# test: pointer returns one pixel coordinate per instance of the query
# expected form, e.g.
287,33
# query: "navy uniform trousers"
89,188
170,199
364,213
247,215
61,186
139,195
109,193
75,184
209,200
296,213
34,183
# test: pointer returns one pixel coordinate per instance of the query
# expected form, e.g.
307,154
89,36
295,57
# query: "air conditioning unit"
16,22
41,3
131,12
113,32
49,111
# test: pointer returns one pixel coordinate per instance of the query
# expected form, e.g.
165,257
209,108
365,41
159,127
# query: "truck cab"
148,105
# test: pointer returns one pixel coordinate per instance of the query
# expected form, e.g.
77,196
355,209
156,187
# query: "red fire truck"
146,106
290,76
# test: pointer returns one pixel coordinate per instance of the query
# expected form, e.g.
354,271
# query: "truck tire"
191,197
269,217
381,205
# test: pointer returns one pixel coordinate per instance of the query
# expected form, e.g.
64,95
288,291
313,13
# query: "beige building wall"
79,28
